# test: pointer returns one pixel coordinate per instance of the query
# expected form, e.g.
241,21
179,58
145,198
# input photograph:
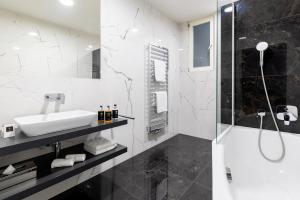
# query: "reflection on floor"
177,169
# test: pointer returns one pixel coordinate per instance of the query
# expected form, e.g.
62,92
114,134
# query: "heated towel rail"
157,122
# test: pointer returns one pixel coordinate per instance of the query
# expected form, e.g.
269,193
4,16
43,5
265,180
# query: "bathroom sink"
35,125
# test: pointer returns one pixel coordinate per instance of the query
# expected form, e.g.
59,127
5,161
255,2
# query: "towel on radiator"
160,68
161,102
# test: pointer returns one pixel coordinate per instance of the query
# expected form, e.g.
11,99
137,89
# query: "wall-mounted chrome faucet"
58,98
287,114
55,97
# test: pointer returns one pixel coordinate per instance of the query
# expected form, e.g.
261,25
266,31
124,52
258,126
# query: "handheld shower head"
261,47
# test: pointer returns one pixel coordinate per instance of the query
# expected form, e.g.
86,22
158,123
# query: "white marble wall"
31,47
197,96
127,27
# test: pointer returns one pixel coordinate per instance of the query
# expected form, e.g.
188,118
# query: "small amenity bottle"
115,113
108,115
101,115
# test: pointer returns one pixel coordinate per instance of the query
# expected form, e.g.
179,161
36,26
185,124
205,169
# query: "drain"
228,174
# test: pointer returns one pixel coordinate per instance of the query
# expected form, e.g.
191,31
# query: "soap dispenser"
115,113
108,115
101,115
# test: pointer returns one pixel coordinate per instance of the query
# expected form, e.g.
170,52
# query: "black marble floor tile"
100,188
168,171
196,192
205,178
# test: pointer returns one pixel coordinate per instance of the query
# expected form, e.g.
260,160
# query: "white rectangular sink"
35,125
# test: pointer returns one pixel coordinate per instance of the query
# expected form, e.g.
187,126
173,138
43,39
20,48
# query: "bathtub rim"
221,188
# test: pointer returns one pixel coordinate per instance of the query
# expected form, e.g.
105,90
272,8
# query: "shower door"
241,26
225,66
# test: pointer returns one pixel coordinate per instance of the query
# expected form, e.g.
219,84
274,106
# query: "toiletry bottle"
101,115
115,113
108,115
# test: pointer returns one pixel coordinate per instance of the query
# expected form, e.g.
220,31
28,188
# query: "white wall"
197,96
53,50
123,62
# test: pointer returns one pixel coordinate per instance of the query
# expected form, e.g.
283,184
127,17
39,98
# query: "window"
201,44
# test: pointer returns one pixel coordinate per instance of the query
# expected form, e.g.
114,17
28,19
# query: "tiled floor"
177,169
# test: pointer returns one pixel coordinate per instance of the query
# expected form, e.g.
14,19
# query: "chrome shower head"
262,46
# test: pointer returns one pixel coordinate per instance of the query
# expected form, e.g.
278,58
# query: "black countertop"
22,142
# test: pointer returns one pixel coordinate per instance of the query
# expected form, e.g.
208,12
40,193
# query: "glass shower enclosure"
246,133
241,26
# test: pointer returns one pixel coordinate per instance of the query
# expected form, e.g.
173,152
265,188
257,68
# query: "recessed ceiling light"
242,38
228,9
134,30
16,48
180,49
89,47
32,33
67,2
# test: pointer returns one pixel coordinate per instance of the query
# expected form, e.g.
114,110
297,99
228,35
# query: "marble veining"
122,81
33,46
197,95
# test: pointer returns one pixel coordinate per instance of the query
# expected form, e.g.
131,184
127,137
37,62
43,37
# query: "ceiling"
84,15
185,10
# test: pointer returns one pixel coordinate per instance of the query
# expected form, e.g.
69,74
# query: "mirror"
50,38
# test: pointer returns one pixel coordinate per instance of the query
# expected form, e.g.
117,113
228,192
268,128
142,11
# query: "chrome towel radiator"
156,122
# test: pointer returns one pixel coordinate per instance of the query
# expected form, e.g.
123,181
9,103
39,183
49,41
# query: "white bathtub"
254,178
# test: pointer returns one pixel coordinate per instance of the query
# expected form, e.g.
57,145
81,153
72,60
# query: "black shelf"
22,142
47,177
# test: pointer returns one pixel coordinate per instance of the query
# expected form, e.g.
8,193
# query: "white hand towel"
98,143
100,151
161,102
76,157
160,68
62,163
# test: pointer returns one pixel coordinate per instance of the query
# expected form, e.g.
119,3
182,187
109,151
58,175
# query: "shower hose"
261,125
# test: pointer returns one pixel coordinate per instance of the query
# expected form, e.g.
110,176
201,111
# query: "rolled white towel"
76,157
9,170
62,163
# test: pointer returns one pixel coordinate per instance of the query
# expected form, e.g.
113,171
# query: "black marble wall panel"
226,69
278,23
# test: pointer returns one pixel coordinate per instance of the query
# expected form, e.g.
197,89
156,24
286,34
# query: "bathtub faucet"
287,114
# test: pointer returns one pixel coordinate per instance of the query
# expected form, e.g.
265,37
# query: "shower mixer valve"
287,114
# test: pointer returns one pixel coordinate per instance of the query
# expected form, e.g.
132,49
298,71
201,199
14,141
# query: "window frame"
191,26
